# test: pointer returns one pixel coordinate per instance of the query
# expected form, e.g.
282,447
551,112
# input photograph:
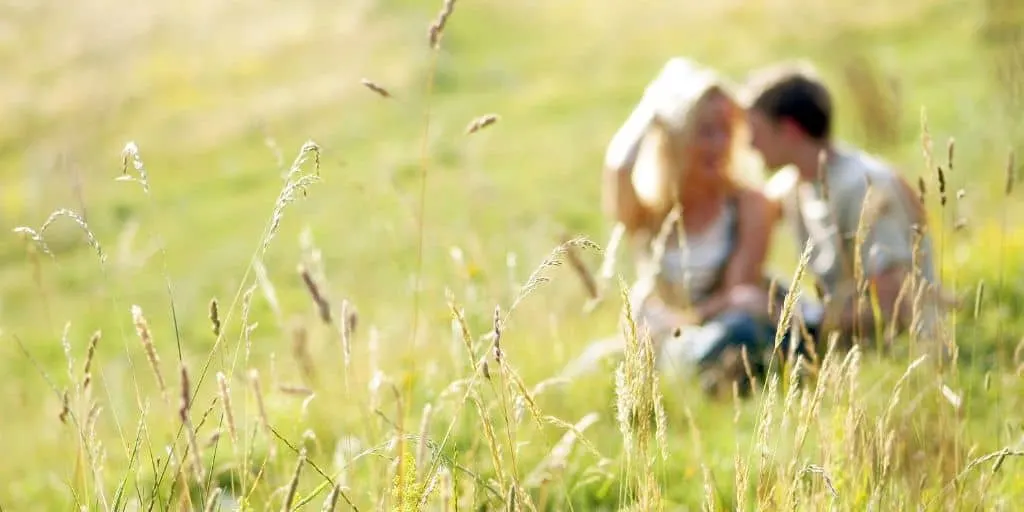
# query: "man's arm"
886,260
854,314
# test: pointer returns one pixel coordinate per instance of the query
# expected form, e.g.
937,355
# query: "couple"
704,297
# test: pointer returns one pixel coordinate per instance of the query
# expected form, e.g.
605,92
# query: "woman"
702,296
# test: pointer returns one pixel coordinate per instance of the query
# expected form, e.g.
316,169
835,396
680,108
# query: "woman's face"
712,135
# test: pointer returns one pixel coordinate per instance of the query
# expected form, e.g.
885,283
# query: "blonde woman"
702,296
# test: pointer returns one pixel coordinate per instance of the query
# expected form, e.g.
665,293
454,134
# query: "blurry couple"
703,297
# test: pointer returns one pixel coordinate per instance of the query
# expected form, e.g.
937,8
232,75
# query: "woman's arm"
619,199
745,270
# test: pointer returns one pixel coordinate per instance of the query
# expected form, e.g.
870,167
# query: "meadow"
278,257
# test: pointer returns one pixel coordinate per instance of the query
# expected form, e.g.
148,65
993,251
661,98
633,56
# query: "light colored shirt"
685,274
831,223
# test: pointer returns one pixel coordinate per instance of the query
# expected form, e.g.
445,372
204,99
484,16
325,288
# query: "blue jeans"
703,346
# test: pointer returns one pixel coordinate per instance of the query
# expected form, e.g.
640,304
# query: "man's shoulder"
853,164
854,170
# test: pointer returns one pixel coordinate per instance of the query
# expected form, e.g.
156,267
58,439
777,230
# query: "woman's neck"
700,207
701,196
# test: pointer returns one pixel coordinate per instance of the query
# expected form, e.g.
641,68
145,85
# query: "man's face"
769,139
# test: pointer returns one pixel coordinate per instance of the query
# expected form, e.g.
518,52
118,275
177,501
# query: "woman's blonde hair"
675,98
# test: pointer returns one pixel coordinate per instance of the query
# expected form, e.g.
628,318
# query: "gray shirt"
889,219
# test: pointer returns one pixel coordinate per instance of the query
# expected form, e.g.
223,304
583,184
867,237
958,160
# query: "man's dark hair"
801,99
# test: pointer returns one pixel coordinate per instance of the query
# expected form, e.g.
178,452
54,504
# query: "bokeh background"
219,97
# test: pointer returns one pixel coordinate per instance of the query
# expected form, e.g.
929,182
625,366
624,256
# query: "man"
824,192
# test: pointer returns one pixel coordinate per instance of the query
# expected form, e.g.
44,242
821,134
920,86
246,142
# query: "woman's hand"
749,298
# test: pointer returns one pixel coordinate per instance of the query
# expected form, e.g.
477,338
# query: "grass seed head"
481,122
375,87
146,337
87,371
214,317
437,27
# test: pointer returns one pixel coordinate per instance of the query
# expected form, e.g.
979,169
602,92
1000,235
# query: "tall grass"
350,417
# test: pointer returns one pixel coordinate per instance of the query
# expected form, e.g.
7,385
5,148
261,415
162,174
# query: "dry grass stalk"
669,226
293,485
289,389
557,459
437,27
577,431
428,491
269,292
608,261
898,306
295,183
37,235
65,407
773,288
322,305
212,440
95,452
539,276
637,397
300,351
131,153
765,423
190,432
748,368
578,265
225,400
863,226
818,470
895,400
792,297
488,431
65,342
497,335
254,379
481,122
349,318
375,87
146,337
422,443
213,502
950,150
941,177
510,502
458,318
87,371
447,489
214,317
332,499
247,328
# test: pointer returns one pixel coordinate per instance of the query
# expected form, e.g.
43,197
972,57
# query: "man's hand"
750,299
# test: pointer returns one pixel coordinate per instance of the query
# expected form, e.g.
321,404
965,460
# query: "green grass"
220,97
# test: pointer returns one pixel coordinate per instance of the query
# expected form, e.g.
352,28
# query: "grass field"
402,220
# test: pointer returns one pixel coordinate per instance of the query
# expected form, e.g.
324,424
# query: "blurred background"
219,96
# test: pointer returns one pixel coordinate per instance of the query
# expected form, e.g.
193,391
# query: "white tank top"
690,273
